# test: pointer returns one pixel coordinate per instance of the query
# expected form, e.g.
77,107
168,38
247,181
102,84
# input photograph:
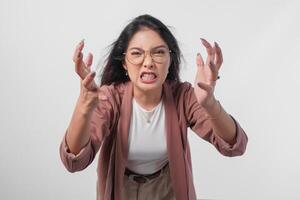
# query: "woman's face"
147,60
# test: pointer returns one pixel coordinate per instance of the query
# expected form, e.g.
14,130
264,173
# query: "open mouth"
148,77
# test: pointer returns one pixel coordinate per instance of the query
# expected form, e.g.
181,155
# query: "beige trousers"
158,188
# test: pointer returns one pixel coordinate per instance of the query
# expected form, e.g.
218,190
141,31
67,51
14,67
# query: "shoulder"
113,88
178,88
114,92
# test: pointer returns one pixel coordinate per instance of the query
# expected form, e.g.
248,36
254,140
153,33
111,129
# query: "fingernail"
216,44
198,54
93,74
81,42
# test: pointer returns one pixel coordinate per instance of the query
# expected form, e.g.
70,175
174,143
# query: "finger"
88,82
204,86
88,63
214,71
219,56
199,60
80,66
78,49
209,49
88,60
213,57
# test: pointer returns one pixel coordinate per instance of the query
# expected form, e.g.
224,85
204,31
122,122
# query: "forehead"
146,39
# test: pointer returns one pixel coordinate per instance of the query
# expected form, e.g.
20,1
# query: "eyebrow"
151,49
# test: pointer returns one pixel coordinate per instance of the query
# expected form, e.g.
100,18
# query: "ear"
124,66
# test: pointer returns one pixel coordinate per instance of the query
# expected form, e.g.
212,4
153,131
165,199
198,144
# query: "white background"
259,86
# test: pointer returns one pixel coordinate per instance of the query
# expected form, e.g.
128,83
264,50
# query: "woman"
140,114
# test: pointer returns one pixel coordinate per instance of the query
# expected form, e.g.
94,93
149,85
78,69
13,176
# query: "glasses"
137,56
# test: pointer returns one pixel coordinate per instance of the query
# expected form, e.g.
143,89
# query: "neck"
149,99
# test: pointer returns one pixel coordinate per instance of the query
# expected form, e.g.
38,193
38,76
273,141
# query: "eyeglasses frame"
145,55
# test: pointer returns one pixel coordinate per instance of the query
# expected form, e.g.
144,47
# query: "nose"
148,61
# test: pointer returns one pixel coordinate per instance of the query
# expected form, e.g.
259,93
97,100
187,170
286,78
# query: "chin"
146,87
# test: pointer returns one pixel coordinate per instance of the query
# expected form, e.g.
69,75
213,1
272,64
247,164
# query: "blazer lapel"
122,139
175,145
125,119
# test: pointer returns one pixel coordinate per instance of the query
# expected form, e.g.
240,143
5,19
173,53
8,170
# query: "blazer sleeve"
99,127
197,120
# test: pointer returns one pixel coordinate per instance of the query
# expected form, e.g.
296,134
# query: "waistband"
142,178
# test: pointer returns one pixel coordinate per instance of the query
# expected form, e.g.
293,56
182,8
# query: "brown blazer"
109,130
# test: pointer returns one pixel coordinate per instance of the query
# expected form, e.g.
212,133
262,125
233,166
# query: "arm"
220,128
201,123
86,136
90,120
78,135
221,122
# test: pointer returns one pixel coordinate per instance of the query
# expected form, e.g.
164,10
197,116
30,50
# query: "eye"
159,52
135,53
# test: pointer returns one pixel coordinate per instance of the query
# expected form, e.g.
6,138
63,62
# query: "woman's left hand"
207,74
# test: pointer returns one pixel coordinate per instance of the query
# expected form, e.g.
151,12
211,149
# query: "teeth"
148,77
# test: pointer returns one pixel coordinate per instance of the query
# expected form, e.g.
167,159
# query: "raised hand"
207,74
83,68
88,98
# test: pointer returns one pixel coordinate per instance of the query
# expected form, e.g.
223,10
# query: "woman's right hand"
89,96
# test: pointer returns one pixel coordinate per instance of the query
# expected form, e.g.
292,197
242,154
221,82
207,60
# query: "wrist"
87,104
84,110
213,109
210,104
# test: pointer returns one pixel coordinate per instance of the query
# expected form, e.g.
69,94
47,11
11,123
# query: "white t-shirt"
147,139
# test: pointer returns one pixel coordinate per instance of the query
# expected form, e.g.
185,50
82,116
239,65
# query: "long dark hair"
113,71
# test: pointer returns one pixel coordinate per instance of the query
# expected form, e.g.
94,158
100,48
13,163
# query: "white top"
147,139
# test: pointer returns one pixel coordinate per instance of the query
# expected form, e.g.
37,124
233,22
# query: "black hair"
114,72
